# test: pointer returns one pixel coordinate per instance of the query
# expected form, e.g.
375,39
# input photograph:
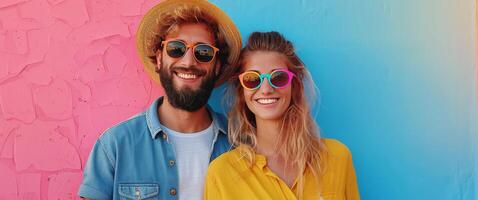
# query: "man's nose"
188,59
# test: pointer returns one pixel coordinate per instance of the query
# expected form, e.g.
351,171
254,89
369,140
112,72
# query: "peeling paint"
63,185
68,71
8,184
73,12
47,150
16,100
62,83
29,186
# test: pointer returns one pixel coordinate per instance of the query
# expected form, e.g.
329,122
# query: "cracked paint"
63,185
47,149
73,12
53,101
68,71
7,3
8,183
5,131
38,11
29,186
20,105
7,150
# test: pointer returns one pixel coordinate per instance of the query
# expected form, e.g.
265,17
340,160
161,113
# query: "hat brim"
146,34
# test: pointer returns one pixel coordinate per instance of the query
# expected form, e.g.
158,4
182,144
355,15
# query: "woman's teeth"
186,76
267,101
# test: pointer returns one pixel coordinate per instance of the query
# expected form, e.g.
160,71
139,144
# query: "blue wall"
397,83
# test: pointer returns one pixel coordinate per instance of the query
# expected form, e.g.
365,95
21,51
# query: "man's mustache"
189,70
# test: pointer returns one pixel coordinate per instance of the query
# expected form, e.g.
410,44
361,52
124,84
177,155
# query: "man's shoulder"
132,125
220,118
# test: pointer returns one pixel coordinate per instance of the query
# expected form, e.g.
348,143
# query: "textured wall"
397,79
68,70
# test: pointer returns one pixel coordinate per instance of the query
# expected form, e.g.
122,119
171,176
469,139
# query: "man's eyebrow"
177,39
203,43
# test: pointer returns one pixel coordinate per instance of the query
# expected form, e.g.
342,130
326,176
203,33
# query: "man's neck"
181,120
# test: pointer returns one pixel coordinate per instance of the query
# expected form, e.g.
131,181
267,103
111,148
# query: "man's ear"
217,67
158,59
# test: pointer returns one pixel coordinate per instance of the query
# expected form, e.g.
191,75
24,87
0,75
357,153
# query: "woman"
278,151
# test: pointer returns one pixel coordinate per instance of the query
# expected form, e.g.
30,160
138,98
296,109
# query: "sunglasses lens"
280,79
175,49
251,80
204,53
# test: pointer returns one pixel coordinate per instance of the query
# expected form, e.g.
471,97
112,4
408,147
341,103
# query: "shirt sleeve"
98,176
351,187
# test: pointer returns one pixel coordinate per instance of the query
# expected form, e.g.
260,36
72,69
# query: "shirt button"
172,192
165,136
138,193
171,163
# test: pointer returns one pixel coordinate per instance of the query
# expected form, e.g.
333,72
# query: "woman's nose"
266,88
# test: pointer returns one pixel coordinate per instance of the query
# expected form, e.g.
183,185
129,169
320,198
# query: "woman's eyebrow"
277,69
253,70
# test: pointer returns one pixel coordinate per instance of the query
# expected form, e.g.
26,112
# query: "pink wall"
68,70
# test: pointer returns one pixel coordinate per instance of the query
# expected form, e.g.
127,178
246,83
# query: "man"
189,46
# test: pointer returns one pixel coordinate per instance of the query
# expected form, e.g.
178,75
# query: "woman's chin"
269,116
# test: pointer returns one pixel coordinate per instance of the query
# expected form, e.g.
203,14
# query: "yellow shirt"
230,177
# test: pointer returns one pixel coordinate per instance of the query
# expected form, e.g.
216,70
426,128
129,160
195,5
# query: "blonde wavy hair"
299,141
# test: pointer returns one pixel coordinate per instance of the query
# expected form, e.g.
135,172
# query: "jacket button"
172,192
171,163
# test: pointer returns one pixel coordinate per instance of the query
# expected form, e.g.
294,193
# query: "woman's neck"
267,136
268,133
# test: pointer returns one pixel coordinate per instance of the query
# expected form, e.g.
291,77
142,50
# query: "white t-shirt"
193,151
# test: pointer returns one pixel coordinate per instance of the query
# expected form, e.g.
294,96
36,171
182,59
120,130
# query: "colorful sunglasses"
203,53
252,80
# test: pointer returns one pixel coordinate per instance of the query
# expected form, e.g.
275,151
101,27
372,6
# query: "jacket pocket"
138,191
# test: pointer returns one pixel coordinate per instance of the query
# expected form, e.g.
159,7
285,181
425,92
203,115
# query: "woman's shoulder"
335,148
226,160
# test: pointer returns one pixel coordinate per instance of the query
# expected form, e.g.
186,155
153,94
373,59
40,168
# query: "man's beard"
186,98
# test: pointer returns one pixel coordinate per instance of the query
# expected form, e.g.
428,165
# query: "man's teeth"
267,101
186,76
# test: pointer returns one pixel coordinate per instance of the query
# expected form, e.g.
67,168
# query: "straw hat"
147,32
